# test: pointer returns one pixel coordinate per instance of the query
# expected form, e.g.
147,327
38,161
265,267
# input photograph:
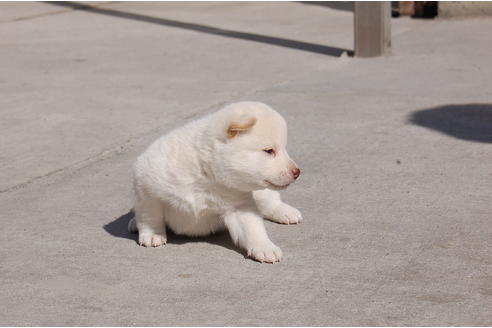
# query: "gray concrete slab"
395,154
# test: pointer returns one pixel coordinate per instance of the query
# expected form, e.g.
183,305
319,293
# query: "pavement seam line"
79,164
107,153
119,149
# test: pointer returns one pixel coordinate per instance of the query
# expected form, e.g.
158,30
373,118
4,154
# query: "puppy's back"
172,160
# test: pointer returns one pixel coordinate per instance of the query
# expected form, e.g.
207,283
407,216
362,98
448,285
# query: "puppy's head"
250,148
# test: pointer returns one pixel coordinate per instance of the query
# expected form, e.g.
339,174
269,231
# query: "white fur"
214,174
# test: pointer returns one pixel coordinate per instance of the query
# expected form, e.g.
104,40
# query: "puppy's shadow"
119,228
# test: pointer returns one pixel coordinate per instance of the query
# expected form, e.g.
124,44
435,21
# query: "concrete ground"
395,155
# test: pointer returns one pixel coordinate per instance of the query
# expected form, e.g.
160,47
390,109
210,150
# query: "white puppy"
221,171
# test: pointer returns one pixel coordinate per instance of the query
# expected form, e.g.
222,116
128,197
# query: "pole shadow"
471,122
276,41
336,5
119,228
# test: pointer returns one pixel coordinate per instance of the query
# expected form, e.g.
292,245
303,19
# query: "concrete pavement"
395,154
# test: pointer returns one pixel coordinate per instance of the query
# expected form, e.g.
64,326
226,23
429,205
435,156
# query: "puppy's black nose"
296,172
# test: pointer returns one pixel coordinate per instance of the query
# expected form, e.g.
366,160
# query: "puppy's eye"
269,151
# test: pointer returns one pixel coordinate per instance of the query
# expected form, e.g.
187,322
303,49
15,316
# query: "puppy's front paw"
285,214
151,240
265,252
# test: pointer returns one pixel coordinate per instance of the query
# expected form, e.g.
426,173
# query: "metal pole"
372,31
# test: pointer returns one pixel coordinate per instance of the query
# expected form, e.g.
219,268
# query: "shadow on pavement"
337,5
472,122
118,228
288,43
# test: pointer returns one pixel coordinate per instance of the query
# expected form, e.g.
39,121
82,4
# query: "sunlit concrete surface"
395,154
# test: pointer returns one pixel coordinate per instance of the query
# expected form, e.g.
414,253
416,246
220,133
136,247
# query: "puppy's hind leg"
149,222
272,208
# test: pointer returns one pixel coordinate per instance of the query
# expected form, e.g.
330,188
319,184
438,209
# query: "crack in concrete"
117,150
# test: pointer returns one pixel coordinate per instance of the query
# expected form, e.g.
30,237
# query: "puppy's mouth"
275,186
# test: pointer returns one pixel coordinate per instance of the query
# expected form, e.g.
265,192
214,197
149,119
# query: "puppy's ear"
240,124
